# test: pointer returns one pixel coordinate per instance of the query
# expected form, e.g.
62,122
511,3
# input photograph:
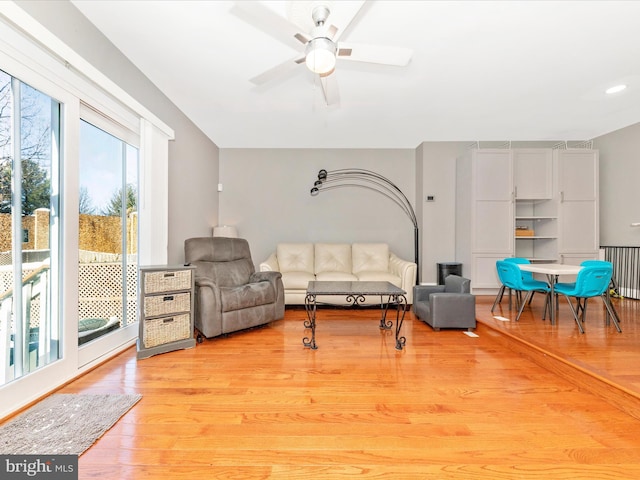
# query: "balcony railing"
100,302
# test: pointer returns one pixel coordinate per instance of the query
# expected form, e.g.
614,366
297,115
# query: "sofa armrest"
421,292
452,306
275,278
265,276
208,307
205,282
270,264
407,272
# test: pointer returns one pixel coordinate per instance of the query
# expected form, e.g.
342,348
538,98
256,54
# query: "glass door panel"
107,233
30,326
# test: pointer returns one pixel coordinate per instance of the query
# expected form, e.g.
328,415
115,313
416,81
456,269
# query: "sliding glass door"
30,329
108,233
68,253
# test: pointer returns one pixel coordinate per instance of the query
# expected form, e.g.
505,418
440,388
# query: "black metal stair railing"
626,269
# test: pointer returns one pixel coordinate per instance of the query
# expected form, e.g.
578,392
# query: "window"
29,163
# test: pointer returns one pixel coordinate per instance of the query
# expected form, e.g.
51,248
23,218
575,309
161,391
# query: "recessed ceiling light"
616,89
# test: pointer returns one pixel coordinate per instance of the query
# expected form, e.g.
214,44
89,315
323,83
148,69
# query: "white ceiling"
502,70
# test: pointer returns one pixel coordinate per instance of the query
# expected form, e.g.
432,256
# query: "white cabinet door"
577,175
493,230
578,227
484,274
492,203
533,173
578,201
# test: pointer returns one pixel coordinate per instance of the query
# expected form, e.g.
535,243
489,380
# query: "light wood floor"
257,405
601,350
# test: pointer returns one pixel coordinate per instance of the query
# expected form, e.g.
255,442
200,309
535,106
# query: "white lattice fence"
6,284
99,288
100,291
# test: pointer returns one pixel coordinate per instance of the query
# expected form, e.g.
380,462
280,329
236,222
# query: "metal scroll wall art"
360,178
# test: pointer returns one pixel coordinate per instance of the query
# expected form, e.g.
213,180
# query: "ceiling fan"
320,46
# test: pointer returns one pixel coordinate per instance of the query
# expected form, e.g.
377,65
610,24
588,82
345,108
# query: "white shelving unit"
540,217
552,192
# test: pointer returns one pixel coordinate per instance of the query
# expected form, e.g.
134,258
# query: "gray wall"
619,186
193,157
266,195
437,178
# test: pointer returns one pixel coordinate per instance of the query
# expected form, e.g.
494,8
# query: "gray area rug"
63,424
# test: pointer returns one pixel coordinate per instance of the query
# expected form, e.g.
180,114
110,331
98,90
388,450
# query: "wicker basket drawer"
167,304
167,281
158,331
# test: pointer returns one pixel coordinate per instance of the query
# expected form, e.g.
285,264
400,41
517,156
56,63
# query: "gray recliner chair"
446,306
230,294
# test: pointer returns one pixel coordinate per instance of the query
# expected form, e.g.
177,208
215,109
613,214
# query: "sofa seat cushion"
297,280
336,277
380,277
246,296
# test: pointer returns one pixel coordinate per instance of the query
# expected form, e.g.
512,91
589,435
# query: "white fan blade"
330,88
265,19
331,32
280,70
360,52
343,14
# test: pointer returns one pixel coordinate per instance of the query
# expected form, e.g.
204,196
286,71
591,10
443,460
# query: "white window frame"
40,59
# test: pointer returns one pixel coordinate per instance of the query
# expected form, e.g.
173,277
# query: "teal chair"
511,277
527,278
613,285
607,295
592,281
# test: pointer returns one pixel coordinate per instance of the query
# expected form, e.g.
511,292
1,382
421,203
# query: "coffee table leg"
384,307
400,302
401,309
311,307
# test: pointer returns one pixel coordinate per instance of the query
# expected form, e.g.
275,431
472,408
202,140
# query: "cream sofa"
301,263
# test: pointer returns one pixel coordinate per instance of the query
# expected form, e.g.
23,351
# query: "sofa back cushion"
456,284
370,257
225,261
332,257
295,257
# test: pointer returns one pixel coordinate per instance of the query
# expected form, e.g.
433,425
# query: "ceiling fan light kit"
321,55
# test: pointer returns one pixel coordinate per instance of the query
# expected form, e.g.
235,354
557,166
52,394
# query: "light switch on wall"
219,187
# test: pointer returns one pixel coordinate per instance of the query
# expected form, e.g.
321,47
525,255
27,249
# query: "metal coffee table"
355,294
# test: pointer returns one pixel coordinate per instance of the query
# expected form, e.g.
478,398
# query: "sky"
101,164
